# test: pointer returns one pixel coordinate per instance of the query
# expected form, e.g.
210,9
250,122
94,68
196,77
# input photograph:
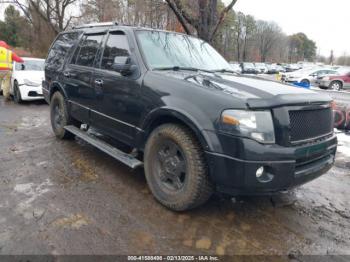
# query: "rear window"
60,49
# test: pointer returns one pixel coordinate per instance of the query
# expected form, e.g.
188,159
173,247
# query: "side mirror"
123,65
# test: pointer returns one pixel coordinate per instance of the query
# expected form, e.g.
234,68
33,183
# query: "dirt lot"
65,197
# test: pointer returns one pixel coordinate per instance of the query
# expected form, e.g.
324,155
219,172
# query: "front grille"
310,124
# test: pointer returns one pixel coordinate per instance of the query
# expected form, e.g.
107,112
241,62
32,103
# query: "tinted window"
60,49
116,46
88,50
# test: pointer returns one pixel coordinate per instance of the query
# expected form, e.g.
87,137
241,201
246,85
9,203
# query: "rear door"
119,108
78,76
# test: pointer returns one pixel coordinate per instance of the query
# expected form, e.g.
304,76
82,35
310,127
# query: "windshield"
30,65
167,50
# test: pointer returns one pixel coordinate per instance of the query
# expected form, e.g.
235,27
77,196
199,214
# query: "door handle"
99,82
67,74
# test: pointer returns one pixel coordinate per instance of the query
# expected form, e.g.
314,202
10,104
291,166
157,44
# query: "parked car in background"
249,68
292,67
280,69
236,67
26,80
272,69
261,67
337,81
307,76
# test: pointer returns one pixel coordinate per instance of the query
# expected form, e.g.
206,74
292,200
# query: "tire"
17,97
175,168
336,85
60,117
305,81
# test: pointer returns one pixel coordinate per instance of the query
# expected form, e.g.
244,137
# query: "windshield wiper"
178,68
225,71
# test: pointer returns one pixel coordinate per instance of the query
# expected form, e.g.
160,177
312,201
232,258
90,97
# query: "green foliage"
12,27
301,48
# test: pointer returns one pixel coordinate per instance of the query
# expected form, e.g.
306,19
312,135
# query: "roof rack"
95,25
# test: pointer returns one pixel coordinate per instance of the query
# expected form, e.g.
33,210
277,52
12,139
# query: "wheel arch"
169,115
337,80
55,86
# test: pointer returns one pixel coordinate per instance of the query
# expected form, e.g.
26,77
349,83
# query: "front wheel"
175,168
336,85
17,97
60,117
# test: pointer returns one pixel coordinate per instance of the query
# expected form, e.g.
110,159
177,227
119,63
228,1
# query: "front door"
78,77
119,108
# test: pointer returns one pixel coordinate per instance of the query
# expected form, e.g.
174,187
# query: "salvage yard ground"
66,197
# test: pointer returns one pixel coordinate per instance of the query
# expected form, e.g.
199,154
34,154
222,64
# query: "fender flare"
173,113
56,86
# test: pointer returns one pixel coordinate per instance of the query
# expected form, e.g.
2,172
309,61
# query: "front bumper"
234,172
324,83
29,93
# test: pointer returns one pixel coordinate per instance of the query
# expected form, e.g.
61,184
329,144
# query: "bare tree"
206,22
52,12
267,35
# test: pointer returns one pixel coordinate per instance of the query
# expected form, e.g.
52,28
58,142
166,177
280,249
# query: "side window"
117,46
77,50
60,49
88,50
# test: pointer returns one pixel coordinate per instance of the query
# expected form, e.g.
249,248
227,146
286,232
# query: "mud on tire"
194,186
60,117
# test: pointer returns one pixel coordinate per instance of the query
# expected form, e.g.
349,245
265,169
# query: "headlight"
257,125
30,83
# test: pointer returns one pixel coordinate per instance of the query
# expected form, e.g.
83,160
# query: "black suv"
194,125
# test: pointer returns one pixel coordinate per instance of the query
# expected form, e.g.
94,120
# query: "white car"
262,68
236,68
307,76
26,80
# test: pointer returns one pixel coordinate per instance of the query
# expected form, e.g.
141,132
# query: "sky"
325,22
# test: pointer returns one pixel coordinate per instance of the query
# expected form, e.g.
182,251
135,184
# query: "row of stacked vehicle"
264,68
335,77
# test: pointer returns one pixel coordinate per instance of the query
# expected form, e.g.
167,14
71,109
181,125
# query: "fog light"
260,172
264,175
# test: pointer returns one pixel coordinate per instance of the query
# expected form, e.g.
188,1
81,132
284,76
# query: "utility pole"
331,58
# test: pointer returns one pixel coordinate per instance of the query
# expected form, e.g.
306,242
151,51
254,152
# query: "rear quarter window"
61,49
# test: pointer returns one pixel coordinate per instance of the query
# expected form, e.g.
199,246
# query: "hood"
256,92
33,76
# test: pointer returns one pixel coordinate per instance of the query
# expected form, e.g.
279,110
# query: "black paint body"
128,108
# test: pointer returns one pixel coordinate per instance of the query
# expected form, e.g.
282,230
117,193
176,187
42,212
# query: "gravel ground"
66,197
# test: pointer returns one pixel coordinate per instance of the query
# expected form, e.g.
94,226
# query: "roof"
111,25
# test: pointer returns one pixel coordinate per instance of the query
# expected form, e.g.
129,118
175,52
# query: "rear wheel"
60,117
175,168
336,85
17,93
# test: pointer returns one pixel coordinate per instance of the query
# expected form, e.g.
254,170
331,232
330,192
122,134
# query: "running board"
126,159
